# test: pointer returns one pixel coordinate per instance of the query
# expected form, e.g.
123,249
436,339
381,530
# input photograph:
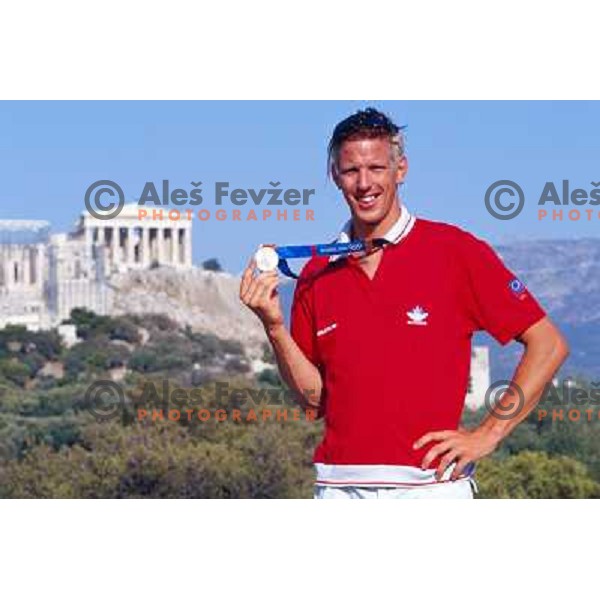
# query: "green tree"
164,460
535,475
212,264
94,356
15,371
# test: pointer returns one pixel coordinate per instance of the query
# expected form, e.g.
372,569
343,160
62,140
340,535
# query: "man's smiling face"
367,172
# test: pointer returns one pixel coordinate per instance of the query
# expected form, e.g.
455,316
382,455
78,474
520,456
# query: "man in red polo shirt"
383,340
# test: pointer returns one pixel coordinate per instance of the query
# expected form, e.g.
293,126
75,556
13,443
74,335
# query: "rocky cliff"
207,301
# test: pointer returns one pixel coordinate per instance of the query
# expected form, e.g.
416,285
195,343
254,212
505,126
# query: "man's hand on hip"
461,447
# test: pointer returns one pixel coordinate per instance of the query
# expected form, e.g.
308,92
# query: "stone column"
7,264
16,270
160,244
173,245
101,244
89,239
2,269
17,262
20,260
40,258
26,262
179,246
145,256
115,246
8,273
187,246
178,254
130,244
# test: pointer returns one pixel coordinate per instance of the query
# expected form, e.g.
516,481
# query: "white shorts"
455,490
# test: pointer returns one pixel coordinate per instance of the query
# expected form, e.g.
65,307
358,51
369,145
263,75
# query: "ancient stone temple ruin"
43,276
23,273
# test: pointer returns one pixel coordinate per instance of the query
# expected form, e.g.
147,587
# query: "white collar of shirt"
397,232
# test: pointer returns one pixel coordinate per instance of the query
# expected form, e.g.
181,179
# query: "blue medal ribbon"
334,249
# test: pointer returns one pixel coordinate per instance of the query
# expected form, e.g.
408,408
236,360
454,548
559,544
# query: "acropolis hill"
116,266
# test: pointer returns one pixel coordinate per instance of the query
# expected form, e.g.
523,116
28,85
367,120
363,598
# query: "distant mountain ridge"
564,275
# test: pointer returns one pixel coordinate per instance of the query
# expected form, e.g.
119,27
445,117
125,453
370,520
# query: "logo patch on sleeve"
517,287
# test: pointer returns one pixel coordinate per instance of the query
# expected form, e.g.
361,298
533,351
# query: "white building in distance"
23,273
479,380
44,276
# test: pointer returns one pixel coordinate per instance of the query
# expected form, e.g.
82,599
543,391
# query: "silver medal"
266,259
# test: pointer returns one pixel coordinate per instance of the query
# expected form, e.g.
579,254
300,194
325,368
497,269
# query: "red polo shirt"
395,351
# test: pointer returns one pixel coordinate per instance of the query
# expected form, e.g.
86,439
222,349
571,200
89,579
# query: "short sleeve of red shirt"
496,299
302,319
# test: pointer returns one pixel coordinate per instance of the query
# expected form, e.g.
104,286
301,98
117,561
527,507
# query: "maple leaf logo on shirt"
417,316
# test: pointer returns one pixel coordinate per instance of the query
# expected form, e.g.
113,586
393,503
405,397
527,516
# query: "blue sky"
50,152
